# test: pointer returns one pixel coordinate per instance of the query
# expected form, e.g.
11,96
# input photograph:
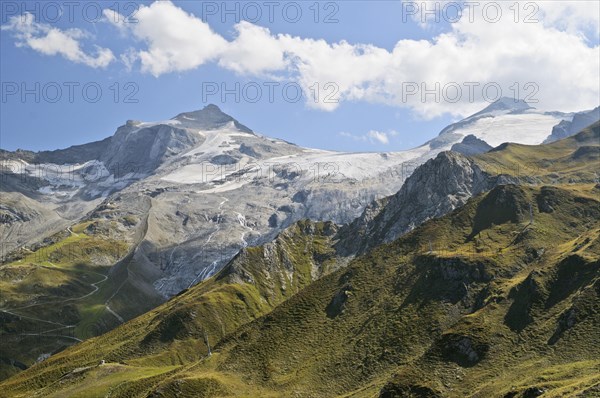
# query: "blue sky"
369,53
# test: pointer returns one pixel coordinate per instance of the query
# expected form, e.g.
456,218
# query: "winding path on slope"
95,289
94,286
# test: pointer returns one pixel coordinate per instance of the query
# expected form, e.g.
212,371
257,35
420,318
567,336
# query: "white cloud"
114,18
129,58
176,41
552,68
254,51
551,62
378,136
373,136
48,40
573,16
337,71
353,136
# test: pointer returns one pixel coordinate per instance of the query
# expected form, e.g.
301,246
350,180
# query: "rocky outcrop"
471,145
463,350
434,189
140,150
568,128
74,154
208,118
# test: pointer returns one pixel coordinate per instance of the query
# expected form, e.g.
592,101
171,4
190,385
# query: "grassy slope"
497,306
572,160
479,317
406,310
48,297
255,282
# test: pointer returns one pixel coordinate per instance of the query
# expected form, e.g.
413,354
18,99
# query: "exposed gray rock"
471,145
224,159
140,150
209,117
73,154
567,128
434,189
463,350
505,103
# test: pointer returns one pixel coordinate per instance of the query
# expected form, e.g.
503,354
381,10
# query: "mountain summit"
505,104
209,117
148,145
505,120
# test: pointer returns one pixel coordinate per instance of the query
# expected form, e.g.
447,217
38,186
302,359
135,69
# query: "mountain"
207,146
498,296
97,234
567,128
160,207
212,150
434,189
446,182
512,105
471,145
505,120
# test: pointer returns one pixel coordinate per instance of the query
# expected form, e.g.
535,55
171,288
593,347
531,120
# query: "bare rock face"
442,185
143,149
567,128
463,349
471,145
207,118
434,189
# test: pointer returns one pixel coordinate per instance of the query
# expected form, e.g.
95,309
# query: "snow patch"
152,124
529,128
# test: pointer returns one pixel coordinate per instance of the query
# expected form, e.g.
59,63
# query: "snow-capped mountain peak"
208,118
506,104
505,120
